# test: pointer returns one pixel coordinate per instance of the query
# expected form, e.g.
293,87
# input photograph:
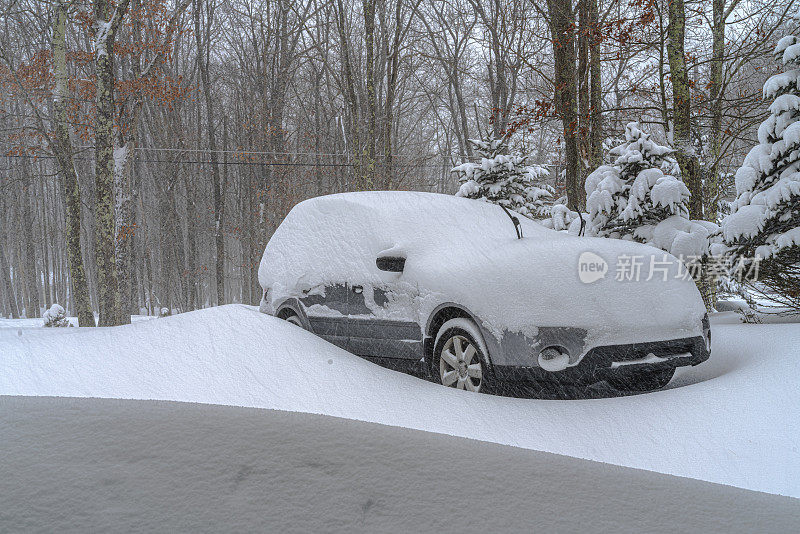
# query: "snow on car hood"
466,252
518,285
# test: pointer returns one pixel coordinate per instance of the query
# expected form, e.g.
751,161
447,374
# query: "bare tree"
203,40
562,31
681,107
107,20
62,148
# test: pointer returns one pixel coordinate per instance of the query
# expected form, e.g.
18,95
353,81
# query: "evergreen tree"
562,218
504,179
55,316
638,197
765,217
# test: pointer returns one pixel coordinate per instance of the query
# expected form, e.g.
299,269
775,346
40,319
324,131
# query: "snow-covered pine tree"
563,219
504,179
765,217
55,316
638,197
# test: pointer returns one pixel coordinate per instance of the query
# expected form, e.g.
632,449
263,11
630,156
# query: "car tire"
294,319
649,380
460,357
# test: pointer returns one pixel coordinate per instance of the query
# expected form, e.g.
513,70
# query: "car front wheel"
294,319
459,360
641,380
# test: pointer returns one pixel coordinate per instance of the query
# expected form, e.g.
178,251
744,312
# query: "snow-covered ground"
38,322
732,420
99,465
35,322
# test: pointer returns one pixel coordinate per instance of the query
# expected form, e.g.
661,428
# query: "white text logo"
591,267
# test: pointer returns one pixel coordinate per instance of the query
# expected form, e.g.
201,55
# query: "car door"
326,308
383,324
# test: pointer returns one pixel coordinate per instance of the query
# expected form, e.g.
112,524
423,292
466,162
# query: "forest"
149,148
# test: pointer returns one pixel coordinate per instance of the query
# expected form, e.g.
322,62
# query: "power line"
307,154
272,154
255,152
208,162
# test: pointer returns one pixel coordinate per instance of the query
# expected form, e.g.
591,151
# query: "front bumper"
599,362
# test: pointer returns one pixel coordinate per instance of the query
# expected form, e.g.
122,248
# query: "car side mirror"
392,264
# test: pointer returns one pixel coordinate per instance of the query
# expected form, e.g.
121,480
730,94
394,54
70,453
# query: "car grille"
604,356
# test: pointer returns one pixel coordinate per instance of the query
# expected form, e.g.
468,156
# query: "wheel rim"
460,364
294,320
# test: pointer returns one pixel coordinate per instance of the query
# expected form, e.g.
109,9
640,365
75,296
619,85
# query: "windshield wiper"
515,220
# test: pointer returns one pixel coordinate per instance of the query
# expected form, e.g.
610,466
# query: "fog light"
553,359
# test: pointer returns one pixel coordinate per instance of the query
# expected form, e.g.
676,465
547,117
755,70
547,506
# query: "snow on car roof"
411,210
348,230
337,237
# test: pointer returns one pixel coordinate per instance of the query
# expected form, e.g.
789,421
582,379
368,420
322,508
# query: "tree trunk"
8,290
350,95
681,112
391,91
716,96
182,278
681,108
193,297
466,146
218,192
368,179
596,90
562,27
192,270
252,255
125,223
220,221
584,148
30,275
108,21
124,226
43,227
711,193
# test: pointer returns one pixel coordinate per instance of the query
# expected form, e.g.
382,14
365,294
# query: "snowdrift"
732,420
106,465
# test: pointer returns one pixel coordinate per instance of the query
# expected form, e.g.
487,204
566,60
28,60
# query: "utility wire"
208,162
273,154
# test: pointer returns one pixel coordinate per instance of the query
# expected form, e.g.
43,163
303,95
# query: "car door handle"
358,289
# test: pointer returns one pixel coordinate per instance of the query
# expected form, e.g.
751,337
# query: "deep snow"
99,465
733,420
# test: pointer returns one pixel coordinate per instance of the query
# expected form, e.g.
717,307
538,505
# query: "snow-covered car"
444,287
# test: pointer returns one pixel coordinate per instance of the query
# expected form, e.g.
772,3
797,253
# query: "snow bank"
734,421
136,466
